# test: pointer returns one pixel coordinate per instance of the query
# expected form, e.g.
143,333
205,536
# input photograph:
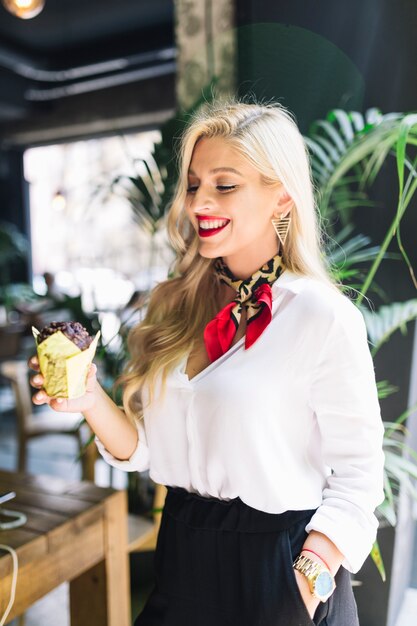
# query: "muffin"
65,352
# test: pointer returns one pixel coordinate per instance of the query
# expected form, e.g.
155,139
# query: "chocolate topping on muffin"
73,330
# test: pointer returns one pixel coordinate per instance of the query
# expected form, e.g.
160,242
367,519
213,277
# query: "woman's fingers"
41,398
63,404
33,363
74,405
37,381
92,371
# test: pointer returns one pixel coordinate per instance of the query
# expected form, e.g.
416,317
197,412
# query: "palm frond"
389,318
347,256
385,389
377,559
348,143
13,243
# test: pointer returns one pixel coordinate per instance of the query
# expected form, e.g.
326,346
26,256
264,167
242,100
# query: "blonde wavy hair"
179,308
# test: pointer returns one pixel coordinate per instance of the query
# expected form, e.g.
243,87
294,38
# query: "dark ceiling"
76,56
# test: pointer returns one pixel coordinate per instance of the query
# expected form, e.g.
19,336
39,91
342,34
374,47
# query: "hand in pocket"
311,603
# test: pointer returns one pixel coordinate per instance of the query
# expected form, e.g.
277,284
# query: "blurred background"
93,96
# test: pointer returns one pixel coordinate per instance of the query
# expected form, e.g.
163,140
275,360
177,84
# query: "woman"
254,378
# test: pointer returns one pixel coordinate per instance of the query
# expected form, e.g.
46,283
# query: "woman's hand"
309,600
76,405
323,548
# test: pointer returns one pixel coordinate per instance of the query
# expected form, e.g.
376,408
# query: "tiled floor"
55,455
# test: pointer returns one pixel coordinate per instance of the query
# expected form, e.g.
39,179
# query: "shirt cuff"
349,536
137,462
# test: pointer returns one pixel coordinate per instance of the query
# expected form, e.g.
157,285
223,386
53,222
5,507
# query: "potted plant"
13,248
348,151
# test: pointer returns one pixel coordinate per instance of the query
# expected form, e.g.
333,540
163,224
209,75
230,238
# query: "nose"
202,201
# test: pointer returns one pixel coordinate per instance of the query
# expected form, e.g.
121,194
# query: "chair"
46,421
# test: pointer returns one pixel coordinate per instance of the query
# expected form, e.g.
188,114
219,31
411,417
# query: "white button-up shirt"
291,423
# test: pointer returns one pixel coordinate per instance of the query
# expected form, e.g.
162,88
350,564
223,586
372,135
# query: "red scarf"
255,295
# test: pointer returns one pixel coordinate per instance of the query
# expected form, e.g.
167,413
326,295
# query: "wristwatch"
319,578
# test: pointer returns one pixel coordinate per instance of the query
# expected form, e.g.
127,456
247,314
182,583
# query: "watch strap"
311,570
308,567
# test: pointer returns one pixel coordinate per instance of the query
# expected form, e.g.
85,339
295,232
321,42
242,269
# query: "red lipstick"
209,232
210,217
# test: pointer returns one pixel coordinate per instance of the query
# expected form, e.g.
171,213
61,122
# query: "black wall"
315,55
318,54
14,207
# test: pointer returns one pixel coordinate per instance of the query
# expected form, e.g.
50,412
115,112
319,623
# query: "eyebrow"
219,169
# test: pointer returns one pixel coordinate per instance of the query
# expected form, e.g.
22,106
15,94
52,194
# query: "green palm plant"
348,151
13,247
382,324
400,467
346,254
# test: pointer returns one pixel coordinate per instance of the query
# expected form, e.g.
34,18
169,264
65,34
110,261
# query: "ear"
284,203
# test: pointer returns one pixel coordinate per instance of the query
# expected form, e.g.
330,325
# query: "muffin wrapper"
63,365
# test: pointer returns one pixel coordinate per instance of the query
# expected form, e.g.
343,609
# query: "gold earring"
282,226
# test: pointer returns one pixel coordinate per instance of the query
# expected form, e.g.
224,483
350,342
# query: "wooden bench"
75,532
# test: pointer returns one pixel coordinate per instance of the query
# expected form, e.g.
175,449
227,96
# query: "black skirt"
224,563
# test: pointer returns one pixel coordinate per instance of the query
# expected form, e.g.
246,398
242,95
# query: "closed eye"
221,188
225,188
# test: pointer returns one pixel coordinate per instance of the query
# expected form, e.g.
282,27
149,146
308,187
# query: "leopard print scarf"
254,294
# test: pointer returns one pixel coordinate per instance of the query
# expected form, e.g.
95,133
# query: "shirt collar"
290,281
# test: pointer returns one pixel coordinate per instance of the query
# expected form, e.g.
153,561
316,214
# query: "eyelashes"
226,187
221,188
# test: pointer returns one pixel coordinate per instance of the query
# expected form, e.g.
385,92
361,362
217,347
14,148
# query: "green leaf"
13,246
331,133
385,389
377,559
357,120
389,318
387,511
389,499
345,123
406,126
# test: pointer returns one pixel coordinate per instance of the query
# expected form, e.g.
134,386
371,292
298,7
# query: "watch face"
323,584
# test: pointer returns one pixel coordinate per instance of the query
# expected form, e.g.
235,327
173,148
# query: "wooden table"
75,532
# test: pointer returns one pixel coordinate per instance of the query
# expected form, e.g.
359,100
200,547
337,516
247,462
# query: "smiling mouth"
208,228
